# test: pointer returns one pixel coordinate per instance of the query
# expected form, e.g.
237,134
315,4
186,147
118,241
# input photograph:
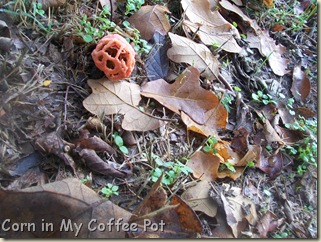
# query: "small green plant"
37,9
120,143
141,45
227,165
226,101
172,170
263,98
305,150
133,5
95,28
110,190
210,145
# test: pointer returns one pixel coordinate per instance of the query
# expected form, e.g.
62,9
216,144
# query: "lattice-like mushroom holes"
114,56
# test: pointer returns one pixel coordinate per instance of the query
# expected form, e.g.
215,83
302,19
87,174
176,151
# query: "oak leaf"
267,48
301,85
151,19
210,26
185,94
120,97
198,55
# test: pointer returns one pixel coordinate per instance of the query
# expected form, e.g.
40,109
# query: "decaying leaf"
267,47
240,212
151,19
197,197
185,94
204,165
268,223
301,85
198,55
209,25
157,63
268,3
51,3
119,97
68,205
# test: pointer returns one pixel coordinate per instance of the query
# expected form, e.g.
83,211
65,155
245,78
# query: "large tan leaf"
198,55
119,97
60,203
185,94
149,19
198,198
210,26
267,47
204,165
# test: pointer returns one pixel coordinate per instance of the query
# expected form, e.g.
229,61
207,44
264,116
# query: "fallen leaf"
185,94
198,55
239,143
51,3
269,223
268,3
96,164
231,7
204,165
151,19
57,204
215,119
188,219
301,85
197,197
267,48
157,63
209,25
120,97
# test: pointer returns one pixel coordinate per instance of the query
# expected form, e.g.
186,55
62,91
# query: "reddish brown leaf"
268,223
185,94
301,85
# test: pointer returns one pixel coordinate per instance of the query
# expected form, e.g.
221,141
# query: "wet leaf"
209,25
185,94
204,165
151,19
157,63
119,97
197,197
267,48
58,203
198,55
301,85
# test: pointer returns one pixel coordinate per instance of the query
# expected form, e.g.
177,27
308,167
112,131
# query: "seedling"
171,170
120,143
263,98
110,190
133,5
210,145
226,101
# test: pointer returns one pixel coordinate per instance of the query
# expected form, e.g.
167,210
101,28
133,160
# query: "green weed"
110,190
120,143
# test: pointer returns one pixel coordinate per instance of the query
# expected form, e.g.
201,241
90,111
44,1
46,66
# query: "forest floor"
248,171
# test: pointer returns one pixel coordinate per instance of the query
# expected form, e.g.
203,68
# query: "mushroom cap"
114,56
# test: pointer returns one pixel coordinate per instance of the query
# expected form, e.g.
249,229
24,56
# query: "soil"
43,82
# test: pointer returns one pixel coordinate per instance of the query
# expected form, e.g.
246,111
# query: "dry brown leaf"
119,97
149,19
185,94
59,203
267,47
301,85
268,3
231,7
204,165
215,118
240,211
197,197
210,26
198,55
51,3
268,223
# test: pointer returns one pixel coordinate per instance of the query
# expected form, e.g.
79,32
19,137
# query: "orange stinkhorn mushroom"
114,56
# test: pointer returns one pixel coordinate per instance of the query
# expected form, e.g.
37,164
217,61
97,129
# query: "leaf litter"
58,120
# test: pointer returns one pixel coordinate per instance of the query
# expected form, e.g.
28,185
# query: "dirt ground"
44,127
